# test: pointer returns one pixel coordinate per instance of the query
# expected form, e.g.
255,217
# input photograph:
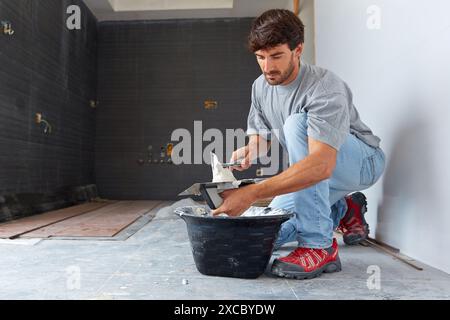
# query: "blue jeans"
319,208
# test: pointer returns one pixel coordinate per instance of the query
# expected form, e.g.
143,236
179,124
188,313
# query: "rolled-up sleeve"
256,123
328,119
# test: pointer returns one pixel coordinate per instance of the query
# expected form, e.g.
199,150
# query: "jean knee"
295,122
296,127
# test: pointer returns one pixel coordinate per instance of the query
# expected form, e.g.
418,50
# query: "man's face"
278,63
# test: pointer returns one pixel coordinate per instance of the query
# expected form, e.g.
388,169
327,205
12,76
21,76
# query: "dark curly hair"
275,27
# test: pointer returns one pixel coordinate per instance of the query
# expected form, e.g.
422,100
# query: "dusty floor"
156,263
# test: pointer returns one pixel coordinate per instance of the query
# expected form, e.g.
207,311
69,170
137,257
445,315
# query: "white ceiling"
113,10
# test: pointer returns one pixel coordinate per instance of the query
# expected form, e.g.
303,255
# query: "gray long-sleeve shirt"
326,99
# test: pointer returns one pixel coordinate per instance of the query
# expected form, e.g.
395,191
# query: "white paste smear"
220,174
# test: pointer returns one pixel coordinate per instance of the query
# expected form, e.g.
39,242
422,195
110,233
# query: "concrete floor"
153,263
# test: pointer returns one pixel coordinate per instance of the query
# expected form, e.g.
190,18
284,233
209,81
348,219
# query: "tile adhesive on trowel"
220,174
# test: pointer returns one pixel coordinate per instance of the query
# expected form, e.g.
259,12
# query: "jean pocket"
367,177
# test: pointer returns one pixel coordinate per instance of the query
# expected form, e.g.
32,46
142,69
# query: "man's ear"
299,50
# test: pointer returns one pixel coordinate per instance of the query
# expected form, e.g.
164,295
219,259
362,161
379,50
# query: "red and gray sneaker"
353,224
306,263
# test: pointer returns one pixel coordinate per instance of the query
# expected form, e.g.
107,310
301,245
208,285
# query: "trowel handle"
211,196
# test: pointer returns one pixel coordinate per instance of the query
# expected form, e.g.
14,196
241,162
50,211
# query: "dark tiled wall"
46,68
153,78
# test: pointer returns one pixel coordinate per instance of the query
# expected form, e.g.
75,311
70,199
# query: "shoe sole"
357,239
330,267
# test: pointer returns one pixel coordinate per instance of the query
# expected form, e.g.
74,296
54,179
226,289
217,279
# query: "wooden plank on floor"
53,229
13,229
104,222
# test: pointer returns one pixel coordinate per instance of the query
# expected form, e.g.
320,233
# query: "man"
331,151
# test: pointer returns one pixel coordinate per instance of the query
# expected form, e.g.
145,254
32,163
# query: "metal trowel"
210,191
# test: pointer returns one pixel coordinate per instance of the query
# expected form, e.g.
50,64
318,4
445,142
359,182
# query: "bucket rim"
180,213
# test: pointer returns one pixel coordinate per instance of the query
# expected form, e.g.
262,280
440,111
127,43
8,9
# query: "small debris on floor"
185,282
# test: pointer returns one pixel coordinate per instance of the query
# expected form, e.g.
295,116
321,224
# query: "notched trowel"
210,191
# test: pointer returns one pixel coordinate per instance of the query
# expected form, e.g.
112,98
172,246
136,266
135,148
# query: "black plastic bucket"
238,247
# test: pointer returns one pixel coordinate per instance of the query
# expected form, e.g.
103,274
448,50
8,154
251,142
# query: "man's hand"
235,202
242,155
256,147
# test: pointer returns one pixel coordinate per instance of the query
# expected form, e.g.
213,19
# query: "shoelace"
307,257
297,252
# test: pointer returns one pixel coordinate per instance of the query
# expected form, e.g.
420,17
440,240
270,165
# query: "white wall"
307,16
400,77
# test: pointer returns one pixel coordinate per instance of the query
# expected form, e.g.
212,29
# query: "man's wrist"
256,191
